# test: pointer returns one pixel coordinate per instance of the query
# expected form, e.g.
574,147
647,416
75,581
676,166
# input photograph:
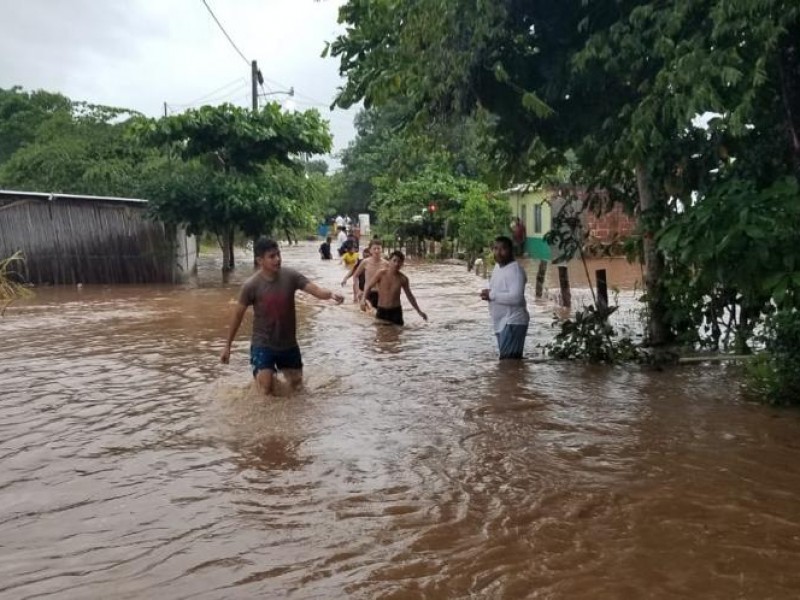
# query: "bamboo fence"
80,239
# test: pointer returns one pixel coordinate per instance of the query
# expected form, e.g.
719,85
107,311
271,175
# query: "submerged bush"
11,287
590,337
774,376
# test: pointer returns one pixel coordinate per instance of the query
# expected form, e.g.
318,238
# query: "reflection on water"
411,465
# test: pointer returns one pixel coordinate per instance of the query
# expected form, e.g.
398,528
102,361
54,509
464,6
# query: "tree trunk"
226,243
232,258
789,71
658,333
223,244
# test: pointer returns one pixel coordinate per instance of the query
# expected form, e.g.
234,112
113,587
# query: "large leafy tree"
49,143
388,149
245,175
23,113
436,202
618,82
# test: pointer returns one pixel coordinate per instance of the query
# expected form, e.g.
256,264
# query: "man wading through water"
369,267
506,297
389,282
270,291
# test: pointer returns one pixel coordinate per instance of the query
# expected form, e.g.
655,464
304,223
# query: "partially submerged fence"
69,239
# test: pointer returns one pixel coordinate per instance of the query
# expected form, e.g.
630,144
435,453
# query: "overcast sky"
139,54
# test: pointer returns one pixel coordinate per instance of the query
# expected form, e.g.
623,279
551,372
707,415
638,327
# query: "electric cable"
216,20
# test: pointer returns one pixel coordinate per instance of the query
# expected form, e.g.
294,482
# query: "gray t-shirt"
274,321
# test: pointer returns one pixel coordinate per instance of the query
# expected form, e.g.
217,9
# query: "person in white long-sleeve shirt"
506,296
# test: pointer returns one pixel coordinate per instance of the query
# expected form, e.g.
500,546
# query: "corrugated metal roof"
520,188
55,196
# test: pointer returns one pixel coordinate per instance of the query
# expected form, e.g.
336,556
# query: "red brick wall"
610,226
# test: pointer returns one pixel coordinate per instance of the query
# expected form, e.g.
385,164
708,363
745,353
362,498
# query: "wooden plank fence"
69,239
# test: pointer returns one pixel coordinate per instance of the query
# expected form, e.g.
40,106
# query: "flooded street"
413,465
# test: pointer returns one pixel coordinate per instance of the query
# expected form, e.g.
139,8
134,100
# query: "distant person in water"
506,297
349,260
388,282
325,249
358,282
270,291
372,263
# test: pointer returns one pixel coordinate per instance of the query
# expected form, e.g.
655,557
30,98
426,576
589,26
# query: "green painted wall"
522,205
536,247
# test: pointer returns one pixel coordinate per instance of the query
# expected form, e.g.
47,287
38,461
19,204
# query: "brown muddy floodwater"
134,465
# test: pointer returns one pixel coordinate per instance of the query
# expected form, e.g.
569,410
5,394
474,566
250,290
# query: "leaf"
533,103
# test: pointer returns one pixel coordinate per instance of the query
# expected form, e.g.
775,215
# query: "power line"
235,47
209,101
298,94
240,80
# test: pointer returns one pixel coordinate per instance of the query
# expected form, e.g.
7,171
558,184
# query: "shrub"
774,376
590,337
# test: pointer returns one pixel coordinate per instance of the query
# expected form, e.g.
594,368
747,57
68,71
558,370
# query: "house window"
537,218
522,215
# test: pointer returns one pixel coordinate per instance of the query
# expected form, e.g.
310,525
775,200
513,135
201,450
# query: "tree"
23,113
65,146
386,150
617,82
251,182
317,166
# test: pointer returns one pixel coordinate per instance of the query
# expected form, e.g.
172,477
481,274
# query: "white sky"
140,53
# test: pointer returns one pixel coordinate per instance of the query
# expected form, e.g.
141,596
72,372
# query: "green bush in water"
589,336
774,376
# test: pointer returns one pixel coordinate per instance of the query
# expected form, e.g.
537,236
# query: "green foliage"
215,169
386,151
316,167
23,113
774,376
738,254
463,207
238,171
588,336
483,218
618,83
68,147
239,139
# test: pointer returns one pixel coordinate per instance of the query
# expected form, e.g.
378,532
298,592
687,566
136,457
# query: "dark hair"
264,245
328,239
505,241
375,242
398,254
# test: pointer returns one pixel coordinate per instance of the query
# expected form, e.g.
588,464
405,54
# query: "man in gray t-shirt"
270,291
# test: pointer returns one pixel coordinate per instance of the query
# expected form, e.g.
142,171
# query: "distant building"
532,206
535,207
69,239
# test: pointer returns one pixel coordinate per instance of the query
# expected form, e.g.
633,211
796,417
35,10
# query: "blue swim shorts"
277,360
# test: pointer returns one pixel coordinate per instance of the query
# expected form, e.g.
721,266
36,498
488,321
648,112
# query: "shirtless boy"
388,282
369,267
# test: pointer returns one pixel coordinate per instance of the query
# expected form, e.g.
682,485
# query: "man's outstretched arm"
236,321
413,300
322,293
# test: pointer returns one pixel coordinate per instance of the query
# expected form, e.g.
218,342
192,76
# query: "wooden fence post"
563,283
602,288
540,274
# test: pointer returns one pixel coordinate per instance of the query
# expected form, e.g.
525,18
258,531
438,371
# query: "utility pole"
255,75
165,108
